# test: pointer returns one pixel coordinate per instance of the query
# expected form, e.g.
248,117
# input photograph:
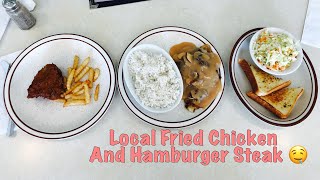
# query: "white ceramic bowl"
294,65
128,80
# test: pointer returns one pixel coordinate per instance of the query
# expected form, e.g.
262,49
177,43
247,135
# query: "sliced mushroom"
194,93
199,94
197,56
186,61
191,108
203,94
196,101
203,50
190,57
207,48
195,75
180,56
206,57
198,83
204,63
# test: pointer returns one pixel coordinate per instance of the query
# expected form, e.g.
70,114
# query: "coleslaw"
276,51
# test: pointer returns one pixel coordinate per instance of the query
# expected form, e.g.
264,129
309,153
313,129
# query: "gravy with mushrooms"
199,68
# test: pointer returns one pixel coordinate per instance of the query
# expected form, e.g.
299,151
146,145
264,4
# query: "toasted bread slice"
280,102
261,82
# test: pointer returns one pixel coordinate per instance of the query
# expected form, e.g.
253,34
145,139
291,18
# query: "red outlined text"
173,147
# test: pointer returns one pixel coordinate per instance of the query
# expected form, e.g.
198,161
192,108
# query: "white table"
222,22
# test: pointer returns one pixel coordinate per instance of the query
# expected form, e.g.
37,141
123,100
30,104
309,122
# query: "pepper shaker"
20,14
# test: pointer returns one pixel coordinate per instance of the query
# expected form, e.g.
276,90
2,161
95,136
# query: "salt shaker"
20,14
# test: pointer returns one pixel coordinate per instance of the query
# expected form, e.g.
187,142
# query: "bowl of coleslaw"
276,51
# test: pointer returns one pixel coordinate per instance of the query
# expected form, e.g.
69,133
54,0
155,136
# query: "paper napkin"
4,117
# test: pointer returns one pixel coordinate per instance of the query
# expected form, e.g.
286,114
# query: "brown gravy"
199,70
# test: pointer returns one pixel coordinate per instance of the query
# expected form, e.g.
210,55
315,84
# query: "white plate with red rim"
166,37
48,119
304,77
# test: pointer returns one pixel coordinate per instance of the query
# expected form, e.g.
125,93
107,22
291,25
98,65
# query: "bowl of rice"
276,51
153,78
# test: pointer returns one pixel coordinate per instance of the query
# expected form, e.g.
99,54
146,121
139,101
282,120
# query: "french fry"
70,78
60,100
79,92
73,96
72,102
65,80
79,97
86,93
75,62
80,87
91,74
82,66
68,96
96,92
73,87
96,74
69,70
85,70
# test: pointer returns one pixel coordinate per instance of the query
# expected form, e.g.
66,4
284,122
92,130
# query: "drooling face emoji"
298,154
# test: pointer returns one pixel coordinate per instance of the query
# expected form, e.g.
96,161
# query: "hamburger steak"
48,83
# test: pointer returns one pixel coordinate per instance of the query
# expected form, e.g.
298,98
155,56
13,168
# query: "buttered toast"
261,82
280,102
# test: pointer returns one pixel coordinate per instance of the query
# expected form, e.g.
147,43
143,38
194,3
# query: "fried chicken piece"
48,83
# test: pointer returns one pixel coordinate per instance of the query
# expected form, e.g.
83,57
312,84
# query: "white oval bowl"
294,65
128,80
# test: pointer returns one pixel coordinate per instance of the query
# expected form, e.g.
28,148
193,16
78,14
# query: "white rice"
155,81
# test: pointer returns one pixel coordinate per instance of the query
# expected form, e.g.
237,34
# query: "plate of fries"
89,77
